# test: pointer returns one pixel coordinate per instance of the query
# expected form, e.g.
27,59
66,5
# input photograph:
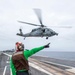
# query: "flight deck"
39,65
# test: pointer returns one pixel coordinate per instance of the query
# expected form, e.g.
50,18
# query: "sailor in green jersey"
19,60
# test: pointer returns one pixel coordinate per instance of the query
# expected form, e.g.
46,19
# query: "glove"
47,46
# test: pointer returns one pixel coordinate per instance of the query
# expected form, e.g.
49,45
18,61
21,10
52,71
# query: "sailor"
19,60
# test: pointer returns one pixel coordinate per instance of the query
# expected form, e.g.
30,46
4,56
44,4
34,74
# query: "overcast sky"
54,13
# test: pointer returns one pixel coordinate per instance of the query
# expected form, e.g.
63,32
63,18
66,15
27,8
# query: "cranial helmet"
19,46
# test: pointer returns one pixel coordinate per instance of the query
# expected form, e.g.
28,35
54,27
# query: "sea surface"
57,55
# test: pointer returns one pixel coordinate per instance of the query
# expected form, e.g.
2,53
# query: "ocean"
57,55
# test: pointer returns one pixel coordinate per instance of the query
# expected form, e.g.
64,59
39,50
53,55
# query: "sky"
54,13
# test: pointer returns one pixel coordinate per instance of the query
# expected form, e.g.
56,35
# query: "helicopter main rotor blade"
39,15
29,23
61,26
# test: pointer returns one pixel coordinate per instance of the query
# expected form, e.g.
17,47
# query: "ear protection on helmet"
19,46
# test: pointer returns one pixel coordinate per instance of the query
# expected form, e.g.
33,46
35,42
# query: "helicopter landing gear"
46,37
24,38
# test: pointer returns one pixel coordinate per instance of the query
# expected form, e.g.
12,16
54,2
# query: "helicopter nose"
56,34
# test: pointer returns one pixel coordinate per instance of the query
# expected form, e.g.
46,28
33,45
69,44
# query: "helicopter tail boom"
19,34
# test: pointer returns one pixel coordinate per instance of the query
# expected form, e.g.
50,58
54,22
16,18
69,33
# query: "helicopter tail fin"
21,33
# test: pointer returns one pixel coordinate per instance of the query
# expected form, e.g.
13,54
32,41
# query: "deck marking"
10,72
4,70
7,54
7,61
71,70
39,68
8,58
59,64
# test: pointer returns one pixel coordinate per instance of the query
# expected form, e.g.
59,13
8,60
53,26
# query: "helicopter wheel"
46,37
24,38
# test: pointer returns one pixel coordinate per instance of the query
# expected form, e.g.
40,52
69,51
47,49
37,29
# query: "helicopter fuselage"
39,32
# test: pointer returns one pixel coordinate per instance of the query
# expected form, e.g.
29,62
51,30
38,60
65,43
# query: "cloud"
55,13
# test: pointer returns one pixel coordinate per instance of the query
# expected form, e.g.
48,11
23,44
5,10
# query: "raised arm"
35,50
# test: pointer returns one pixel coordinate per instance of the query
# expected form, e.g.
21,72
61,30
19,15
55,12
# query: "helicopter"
41,31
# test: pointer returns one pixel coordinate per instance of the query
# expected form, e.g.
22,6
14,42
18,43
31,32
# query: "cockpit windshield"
34,30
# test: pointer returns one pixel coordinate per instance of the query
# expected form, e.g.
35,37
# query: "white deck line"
59,64
39,68
4,70
8,58
7,62
10,72
7,54
71,70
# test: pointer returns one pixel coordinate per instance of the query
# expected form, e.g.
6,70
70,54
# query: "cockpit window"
33,30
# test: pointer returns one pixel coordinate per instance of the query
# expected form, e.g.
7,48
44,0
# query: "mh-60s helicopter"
42,31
